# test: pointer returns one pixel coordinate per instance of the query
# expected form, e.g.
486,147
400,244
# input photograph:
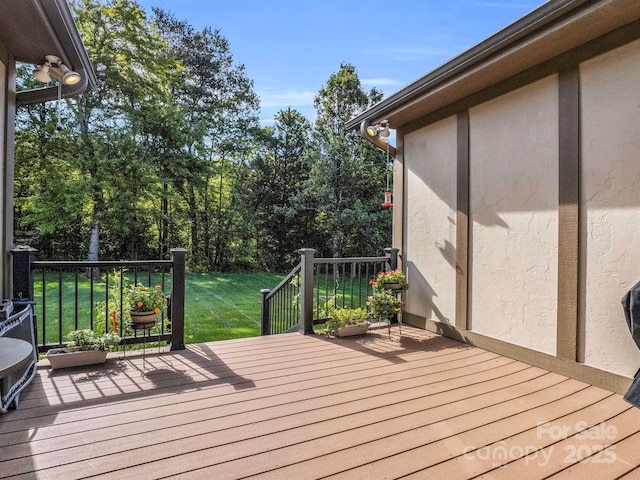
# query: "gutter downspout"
377,141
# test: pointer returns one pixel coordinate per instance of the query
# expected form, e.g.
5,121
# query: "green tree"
48,188
280,170
116,118
348,173
219,109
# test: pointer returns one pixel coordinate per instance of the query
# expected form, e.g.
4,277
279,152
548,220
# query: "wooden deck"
295,407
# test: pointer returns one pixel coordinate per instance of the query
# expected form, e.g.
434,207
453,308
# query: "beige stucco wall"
514,215
610,204
3,109
4,149
430,196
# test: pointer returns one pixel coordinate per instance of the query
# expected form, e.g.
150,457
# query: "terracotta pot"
143,317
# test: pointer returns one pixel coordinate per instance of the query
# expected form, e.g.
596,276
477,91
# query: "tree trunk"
164,223
94,235
193,214
205,225
217,261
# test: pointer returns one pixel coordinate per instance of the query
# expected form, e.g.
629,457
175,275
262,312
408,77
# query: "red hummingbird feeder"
387,200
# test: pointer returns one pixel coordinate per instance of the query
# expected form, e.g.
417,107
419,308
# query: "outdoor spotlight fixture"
53,66
379,129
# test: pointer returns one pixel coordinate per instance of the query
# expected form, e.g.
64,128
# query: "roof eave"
530,30
59,18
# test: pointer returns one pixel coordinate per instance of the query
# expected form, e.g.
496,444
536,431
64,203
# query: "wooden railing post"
177,298
266,313
392,257
306,290
23,257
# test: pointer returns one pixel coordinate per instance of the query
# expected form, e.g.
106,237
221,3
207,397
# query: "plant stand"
146,330
387,321
397,292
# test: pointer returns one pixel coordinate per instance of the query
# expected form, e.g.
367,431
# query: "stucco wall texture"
610,194
513,194
514,215
430,255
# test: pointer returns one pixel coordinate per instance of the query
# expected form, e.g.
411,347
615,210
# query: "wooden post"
306,290
177,298
266,313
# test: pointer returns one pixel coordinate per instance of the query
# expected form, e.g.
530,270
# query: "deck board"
293,406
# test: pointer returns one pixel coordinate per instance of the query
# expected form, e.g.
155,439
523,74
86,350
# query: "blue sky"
291,47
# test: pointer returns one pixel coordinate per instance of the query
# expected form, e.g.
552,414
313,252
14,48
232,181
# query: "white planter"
61,358
351,330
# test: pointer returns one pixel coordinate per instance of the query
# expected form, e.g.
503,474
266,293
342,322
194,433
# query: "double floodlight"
379,129
53,66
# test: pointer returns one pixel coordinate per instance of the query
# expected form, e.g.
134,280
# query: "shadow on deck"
293,406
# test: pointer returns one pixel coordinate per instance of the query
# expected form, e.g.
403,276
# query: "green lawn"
221,306
218,306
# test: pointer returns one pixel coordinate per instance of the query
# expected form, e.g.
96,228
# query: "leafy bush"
384,304
341,317
89,340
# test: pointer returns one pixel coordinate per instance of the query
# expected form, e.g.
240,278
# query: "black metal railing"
281,306
316,285
68,296
342,282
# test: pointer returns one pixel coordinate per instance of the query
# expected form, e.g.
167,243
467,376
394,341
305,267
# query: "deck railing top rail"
101,263
350,260
285,281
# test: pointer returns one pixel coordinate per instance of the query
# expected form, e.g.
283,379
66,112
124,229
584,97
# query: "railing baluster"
60,334
122,270
106,302
91,290
76,300
44,305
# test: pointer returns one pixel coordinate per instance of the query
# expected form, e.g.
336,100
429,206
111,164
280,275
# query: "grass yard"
220,306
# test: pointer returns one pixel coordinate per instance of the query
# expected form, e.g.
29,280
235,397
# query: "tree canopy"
167,151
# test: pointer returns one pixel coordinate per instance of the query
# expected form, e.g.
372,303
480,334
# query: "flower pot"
350,330
143,317
392,286
62,358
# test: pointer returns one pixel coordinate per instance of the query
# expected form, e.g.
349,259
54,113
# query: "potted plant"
144,303
390,280
384,305
347,321
85,347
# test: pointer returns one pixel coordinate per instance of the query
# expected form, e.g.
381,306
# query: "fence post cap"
23,248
